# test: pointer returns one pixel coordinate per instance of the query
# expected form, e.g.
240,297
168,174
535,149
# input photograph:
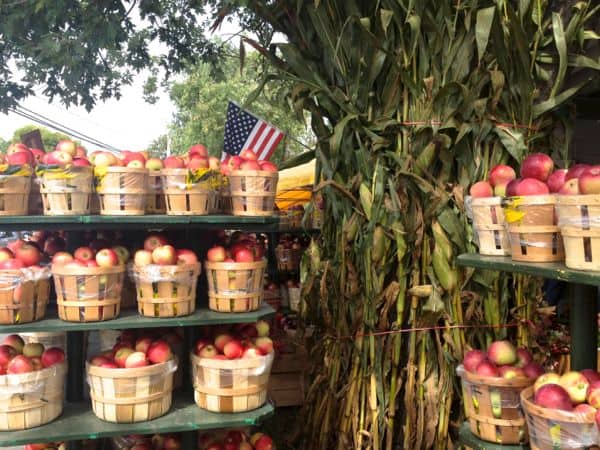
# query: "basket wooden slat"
22,300
536,243
166,291
579,211
14,195
131,395
231,386
582,248
492,406
252,204
552,429
31,399
67,192
122,191
235,287
155,200
490,225
533,210
88,294
253,181
183,198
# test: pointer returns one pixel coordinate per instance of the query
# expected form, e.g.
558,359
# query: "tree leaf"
485,18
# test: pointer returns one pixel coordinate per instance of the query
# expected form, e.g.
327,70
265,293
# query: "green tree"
49,138
201,101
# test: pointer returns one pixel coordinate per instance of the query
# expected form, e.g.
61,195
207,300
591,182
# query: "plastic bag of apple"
235,276
231,367
16,168
31,383
563,410
235,440
88,284
65,177
132,385
46,446
24,284
491,384
145,442
165,278
252,184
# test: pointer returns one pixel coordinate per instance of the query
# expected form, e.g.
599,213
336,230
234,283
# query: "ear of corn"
412,101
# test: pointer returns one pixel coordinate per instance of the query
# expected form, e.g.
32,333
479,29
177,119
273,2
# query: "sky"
127,124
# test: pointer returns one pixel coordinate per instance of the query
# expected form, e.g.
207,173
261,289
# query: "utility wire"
38,118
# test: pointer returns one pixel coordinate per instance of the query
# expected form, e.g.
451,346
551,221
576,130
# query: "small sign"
33,139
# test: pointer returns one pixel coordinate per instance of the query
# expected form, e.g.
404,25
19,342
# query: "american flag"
244,130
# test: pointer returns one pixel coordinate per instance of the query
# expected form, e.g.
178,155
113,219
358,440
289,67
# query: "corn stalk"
412,101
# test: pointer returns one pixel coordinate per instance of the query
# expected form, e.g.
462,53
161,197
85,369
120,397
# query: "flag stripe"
251,141
263,139
271,145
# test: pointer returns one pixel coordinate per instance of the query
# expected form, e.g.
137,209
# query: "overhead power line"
45,121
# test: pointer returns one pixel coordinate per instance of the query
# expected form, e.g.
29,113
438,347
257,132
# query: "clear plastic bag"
155,273
121,190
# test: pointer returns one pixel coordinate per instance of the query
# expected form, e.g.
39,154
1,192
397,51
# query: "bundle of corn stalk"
412,101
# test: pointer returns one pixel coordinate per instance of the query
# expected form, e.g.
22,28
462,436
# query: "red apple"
511,187
200,344
221,340
67,146
52,356
121,356
15,341
57,158
81,162
502,353
28,254
250,165
501,174
107,258
243,255
99,360
576,170
593,394
81,152
136,359
481,189
264,443
510,372
557,180
172,443
159,352
585,409
267,166
591,375
216,254
576,385
143,344
248,155
264,344
472,359
252,352
185,256
16,147
20,158
487,369
553,396
109,365
234,162
589,181
214,163
233,349
523,357
19,364
198,149
538,166
165,255
7,352
84,254
197,163
532,186
533,370
154,241
173,162
571,187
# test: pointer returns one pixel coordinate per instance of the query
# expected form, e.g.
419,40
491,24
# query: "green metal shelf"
556,271
131,319
249,223
79,422
468,439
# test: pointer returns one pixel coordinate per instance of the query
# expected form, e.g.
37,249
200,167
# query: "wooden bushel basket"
579,211
582,248
251,204
235,287
88,294
231,386
253,192
24,296
155,201
122,191
131,395
31,399
67,192
553,429
14,195
490,225
493,407
185,198
532,228
288,259
166,291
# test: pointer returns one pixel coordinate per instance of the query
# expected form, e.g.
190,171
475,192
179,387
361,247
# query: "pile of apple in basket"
68,181
546,215
508,399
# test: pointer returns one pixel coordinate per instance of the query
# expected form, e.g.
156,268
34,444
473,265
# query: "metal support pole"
583,308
